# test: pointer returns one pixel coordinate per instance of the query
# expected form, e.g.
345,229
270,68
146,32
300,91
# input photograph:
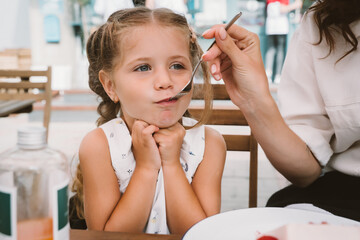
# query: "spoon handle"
228,25
188,86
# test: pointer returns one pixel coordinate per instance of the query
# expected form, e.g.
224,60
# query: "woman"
315,143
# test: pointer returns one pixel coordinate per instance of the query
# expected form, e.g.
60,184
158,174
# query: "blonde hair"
103,47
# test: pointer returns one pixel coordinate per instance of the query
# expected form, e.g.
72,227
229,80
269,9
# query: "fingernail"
213,69
206,31
222,33
217,76
204,55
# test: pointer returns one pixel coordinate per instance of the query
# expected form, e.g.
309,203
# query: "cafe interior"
44,85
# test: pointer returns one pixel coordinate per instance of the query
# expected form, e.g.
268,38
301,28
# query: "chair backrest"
17,58
18,86
231,115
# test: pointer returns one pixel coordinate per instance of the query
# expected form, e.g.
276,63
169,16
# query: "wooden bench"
230,115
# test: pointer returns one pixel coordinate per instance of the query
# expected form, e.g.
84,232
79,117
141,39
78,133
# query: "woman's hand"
236,58
169,141
145,149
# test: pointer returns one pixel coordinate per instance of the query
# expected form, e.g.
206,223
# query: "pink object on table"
312,231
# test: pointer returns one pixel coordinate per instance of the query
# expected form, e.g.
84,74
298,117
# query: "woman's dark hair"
336,16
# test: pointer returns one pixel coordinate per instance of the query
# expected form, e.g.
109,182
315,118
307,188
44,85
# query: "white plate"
247,224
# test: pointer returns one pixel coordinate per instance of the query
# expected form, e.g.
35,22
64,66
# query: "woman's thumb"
228,46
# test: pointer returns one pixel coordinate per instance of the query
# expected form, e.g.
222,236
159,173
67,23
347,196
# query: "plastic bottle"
34,183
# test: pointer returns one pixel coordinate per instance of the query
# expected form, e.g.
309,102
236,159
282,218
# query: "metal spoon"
188,85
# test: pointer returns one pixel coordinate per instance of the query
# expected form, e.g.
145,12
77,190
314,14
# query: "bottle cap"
31,137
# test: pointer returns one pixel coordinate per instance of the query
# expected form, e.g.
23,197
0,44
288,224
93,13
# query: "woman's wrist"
259,106
264,118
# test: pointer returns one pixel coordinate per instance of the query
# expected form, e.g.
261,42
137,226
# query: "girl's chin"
165,124
162,120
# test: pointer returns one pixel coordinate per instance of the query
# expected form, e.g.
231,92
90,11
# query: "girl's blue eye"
143,68
177,66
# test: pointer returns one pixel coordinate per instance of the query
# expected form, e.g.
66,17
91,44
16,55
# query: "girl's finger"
143,128
150,130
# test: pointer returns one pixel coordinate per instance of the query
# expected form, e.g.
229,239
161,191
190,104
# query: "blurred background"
39,33
54,32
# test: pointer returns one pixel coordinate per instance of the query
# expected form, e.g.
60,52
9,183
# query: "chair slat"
22,96
23,73
237,142
219,91
220,116
22,84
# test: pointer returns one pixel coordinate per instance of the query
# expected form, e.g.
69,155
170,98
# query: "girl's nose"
163,80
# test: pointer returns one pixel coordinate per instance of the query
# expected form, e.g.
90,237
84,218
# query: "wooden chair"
231,115
18,92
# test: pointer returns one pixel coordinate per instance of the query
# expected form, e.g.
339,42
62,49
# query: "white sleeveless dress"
123,162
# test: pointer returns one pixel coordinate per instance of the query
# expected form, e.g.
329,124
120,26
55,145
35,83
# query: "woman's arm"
187,204
240,65
105,208
285,150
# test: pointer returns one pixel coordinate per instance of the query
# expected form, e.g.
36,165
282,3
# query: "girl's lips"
166,101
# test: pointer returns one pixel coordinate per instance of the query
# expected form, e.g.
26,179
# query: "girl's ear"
108,85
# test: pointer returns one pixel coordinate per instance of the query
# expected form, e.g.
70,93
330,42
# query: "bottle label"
8,213
55,227
60,211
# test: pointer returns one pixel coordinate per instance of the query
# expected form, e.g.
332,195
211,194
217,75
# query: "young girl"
142,171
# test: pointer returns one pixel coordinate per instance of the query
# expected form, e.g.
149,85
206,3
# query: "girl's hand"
169,141
236,58
145,150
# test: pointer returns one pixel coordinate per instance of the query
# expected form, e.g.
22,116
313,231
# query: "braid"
98,48
78,199
108,110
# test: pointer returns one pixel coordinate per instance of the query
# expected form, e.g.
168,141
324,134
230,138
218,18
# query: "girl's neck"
129,122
